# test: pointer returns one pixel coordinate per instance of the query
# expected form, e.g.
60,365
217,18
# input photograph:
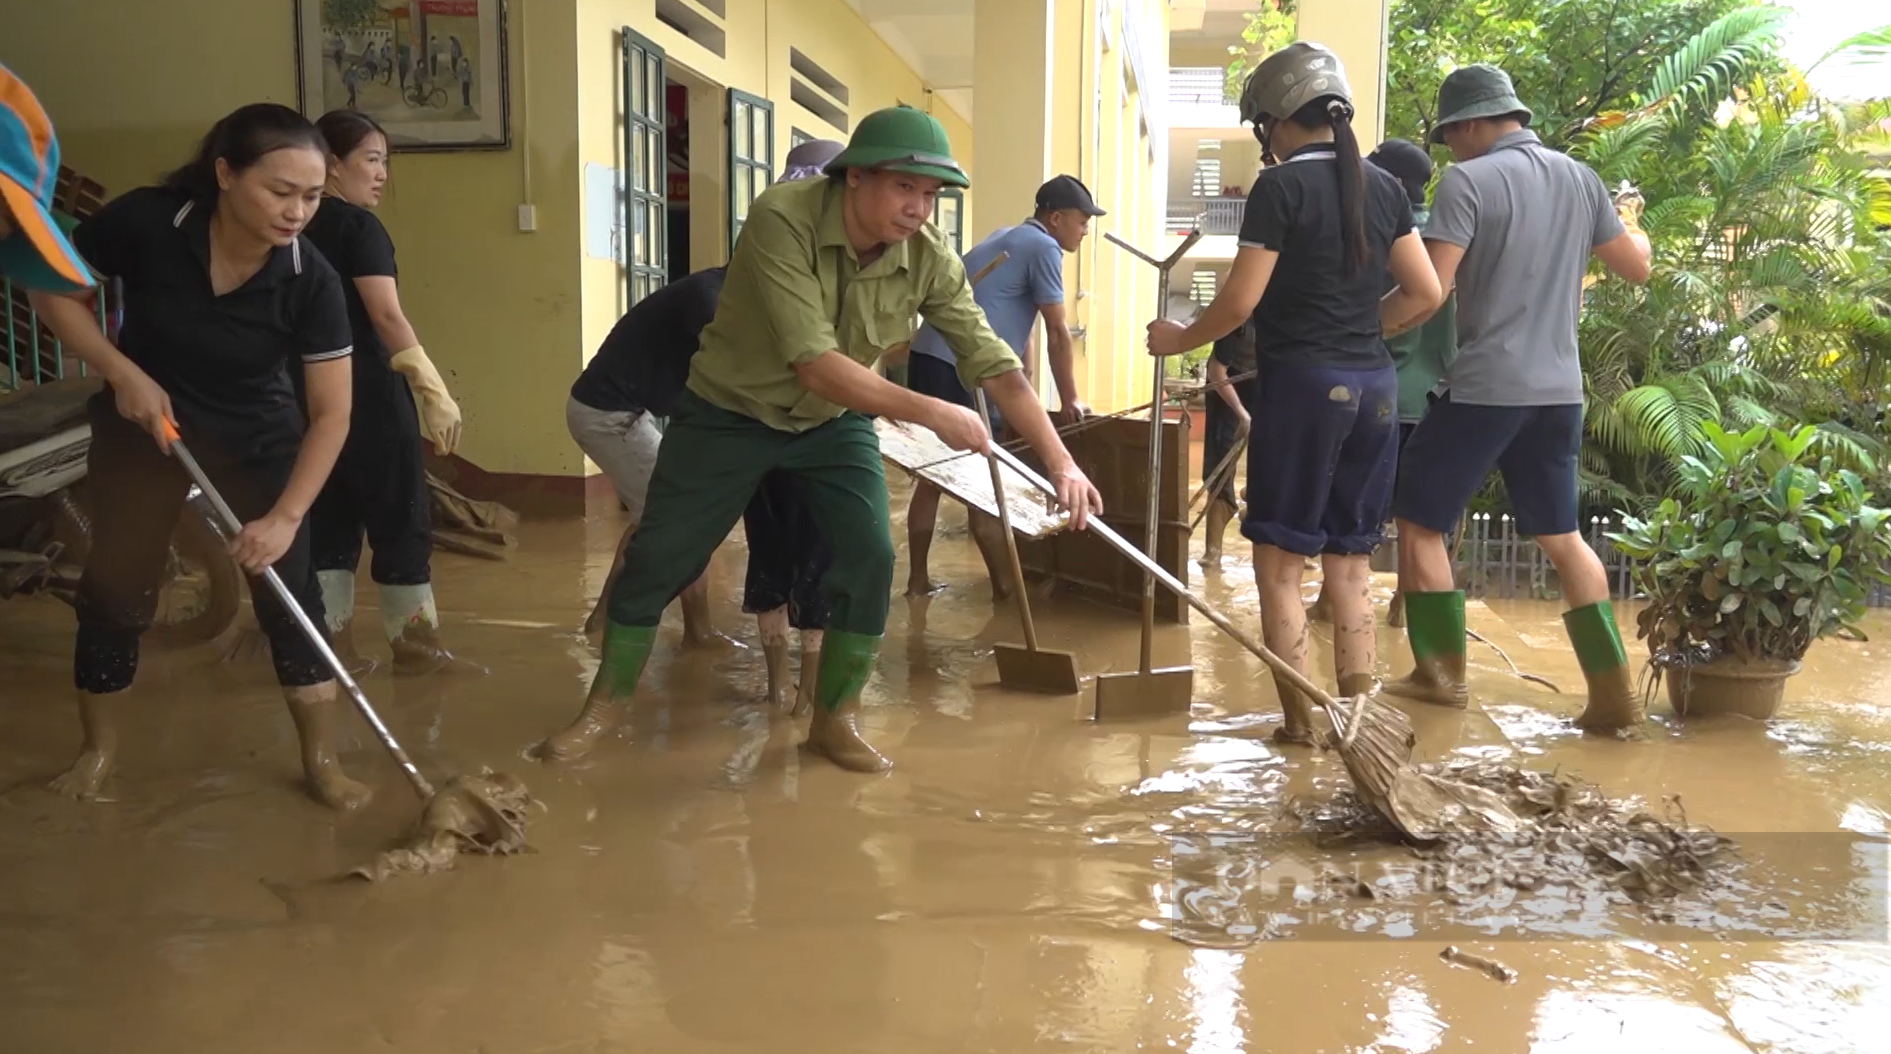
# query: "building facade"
638,131
1213,158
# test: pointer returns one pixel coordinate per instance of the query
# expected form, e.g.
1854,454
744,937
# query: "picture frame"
434,73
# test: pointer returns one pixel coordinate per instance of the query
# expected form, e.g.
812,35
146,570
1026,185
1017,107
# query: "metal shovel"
482,814
1030,668
1150,691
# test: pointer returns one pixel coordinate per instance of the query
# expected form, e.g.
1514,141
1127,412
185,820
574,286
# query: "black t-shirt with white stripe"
224,360
1313,313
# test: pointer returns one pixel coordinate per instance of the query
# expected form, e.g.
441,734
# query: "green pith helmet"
901,139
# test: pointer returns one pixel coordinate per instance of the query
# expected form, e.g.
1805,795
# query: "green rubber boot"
1613,704
626,650
1434,622
846,662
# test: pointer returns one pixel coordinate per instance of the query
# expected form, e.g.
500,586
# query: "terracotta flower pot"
1729,685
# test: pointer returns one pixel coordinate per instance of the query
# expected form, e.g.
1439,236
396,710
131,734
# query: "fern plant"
1770,298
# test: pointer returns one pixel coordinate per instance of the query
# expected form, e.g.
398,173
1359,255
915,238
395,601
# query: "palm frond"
1868,46
1719,56
1617,152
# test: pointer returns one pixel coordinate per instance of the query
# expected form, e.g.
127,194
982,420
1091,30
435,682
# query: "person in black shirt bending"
1226,408
636,375
1320,232
380,482
223,298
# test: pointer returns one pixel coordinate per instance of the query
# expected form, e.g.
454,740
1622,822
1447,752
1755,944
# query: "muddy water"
1009,886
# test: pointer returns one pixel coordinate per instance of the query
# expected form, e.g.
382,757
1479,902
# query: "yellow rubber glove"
439,414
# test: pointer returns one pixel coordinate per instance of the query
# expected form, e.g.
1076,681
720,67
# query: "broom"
467,814
1374,740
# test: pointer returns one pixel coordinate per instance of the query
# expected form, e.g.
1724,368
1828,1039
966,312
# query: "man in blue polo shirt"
1028,285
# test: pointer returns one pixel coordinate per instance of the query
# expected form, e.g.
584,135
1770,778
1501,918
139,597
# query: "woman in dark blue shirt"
1320,232
223,298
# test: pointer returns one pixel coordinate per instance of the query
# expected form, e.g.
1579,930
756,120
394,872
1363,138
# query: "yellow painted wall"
498,310
1356,31
755,60
511,317
1196,52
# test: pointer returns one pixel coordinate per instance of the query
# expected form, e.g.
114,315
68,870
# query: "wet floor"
1011,885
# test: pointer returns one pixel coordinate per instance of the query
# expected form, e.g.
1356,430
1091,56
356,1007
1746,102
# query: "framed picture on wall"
432,72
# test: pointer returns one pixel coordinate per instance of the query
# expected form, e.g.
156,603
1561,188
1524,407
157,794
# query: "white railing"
1211,216
1199,86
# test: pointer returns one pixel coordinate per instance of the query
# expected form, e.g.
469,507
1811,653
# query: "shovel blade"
1158,693
1048,672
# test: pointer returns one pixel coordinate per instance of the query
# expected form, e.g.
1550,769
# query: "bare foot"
82,781
1294,737
923,586
332,787
1001,589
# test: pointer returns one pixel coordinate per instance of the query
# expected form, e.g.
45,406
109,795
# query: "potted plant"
1762,551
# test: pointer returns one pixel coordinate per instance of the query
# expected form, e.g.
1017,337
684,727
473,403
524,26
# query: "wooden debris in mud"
1568,834
470,528
1491,968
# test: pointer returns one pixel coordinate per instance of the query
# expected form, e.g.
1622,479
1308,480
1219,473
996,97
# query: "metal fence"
31,354
1199,86
1496,562
1208,215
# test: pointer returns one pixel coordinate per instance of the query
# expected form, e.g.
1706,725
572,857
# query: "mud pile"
1572,837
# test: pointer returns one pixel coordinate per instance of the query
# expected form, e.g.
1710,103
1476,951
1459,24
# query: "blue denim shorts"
1322,457
1457,445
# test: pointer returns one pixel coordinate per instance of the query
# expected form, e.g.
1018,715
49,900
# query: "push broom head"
471,814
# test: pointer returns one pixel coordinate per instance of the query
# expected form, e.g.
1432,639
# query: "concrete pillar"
1356,30
1012,69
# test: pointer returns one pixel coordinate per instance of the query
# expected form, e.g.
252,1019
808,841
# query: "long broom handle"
1011,541
1149,566
1212,480
229,526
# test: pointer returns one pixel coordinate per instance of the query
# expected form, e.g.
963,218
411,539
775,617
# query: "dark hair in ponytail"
344,131
240,140
1337,114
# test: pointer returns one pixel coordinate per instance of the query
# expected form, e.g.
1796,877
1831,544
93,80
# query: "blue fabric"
1322,457
940,380
1011,294
1456,446
1223,426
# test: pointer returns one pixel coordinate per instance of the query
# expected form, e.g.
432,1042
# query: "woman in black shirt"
380,482
223,298
1320,232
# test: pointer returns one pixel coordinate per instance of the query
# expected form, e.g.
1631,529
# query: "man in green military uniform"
827,276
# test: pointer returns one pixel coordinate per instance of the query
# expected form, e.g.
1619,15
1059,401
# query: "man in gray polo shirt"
1513,226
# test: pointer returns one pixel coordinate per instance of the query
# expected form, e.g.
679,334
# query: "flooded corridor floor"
699,886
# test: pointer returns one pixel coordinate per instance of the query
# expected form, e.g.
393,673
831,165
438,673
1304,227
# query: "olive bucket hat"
901,139
1477,91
